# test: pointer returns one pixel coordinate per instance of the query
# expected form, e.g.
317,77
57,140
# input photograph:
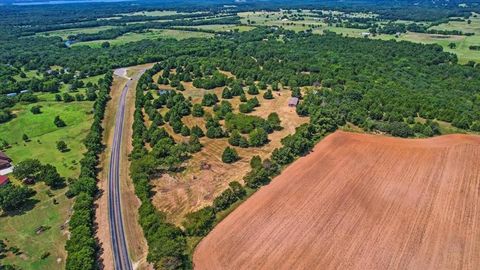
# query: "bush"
258,137
230,155
197,131
197,110
59,122
200,222
36,109
268,94
62,146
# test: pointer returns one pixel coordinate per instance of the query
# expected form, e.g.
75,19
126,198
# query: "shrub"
230,155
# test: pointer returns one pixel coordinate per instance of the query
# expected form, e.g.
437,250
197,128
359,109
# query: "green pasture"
20,230
64,33
152,34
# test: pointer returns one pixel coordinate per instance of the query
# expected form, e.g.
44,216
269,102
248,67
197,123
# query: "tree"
227,93
224,200
256,162
105,44
13,197
238,190
230,155
62,146
274,121
252,90
258,137
268,94
51,177
185,131
59,122
235,138
452,45
27,169
197,131
36,109
25,138
296,92
209,100
197,110
200,222
194,144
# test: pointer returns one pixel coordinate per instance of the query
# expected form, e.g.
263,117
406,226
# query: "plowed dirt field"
360,202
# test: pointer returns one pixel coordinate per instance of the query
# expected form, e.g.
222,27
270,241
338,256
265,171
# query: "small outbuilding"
293,102
12,95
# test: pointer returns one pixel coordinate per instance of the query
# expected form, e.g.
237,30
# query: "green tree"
36,109
200,222
14,197
274,121
268,94
51,177
230,155
28,168
252,90
59,122
258,137
62,146
25,138
197,131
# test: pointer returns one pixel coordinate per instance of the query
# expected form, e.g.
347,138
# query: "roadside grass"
151,34
64,33
20,231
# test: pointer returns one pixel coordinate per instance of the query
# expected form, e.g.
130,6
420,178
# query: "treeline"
82,247
166,243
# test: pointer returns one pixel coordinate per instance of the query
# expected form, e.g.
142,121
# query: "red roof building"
4,161
4,180
3,156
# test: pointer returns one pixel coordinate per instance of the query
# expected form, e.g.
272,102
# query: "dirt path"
136,242
360,202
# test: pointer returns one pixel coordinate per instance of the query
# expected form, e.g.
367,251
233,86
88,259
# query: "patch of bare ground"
180,193
130,203
360,202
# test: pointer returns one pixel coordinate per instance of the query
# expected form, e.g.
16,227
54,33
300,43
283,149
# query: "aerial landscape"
239,134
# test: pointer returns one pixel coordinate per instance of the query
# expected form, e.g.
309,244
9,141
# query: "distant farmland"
360,202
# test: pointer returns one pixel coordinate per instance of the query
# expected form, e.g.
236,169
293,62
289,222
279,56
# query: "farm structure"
5,163
359,202
4,180
293,102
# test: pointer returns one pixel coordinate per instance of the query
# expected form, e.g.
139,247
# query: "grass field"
222,27
64,33
44,134
20,231
152,34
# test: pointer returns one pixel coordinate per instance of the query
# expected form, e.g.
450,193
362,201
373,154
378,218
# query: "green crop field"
152,34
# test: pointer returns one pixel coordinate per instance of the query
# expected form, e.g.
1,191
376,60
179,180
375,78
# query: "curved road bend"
119,243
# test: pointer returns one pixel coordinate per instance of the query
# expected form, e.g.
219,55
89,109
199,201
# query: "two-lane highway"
121,258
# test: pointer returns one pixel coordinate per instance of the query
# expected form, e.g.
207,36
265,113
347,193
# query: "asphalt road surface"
119,243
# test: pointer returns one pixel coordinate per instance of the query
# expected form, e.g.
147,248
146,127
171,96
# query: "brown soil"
178,194
360,202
